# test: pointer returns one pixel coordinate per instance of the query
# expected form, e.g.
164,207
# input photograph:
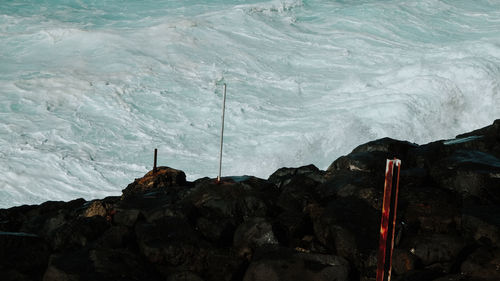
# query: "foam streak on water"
89,88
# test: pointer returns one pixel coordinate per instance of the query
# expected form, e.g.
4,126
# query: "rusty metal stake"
388,221
154,164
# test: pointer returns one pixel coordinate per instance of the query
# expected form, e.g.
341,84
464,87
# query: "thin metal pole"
222,134
154,164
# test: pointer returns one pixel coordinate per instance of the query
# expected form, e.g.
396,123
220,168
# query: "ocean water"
89,88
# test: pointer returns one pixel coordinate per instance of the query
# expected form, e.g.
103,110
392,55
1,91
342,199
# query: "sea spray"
89,88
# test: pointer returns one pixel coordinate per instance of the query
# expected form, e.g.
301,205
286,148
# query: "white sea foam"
89,89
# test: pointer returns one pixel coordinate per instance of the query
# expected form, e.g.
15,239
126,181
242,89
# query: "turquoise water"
90,88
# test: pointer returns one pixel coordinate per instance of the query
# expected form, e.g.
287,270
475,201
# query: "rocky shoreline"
300,224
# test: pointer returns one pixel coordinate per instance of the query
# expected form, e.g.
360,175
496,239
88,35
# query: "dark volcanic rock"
483,264
22,256
174,244
11,220
104,208
50,215
454,277
403,261
148,206
115,237
300,224
470,173
419,275
99,264
284,175
78,233
287,265
370,157
294,229
184,276
219,208
395,148
95,208
349,227
436,248
482,223
370,162
485,139
297,193
171,241
252,234
356,184
430,209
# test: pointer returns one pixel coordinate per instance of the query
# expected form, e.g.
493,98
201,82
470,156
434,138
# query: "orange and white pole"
388,221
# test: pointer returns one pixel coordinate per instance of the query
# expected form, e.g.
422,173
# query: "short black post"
154,165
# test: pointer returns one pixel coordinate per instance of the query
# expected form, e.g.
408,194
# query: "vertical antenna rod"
222,134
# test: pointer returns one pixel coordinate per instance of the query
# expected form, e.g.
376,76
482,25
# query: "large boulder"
486,139
295,229
420,275
99,265
252,234
436,248
343,183
115,237
429,209
11,220
283,176
149,206
403,261
23,256
371,156
49,216
78,233
349,227
483,264
161,178
283,264
104,208
171,241
174,244
482,223
297,193
470,173
218,208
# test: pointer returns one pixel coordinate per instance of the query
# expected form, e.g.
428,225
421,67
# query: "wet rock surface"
300,224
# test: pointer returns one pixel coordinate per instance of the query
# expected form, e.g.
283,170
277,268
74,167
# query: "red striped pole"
388,221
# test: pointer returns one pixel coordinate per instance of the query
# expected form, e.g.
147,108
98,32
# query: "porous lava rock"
161,178
23,256
282,264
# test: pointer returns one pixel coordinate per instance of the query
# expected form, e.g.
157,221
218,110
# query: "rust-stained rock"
95,208
163,177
